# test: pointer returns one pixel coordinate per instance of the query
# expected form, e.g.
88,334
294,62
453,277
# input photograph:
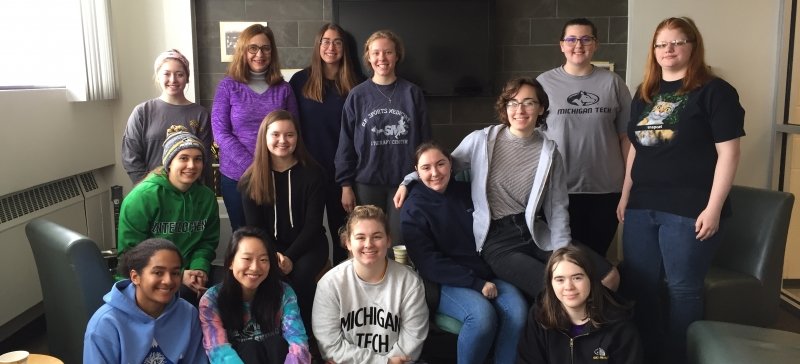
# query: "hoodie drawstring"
275,204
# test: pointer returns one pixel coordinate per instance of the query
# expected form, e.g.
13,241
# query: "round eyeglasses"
326,42
265,49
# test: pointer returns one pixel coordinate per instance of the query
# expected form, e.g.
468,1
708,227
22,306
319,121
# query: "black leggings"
303,280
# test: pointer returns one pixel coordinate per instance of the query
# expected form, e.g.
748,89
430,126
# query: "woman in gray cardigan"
518,190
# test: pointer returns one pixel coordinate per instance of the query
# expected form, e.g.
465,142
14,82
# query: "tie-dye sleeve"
215,339
293,330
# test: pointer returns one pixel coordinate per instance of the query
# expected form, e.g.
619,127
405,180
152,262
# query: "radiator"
81,203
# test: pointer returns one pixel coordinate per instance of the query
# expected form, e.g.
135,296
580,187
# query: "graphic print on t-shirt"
583,98
388,126
659,124
583,102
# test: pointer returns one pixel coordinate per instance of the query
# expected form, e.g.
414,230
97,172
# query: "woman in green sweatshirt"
171,203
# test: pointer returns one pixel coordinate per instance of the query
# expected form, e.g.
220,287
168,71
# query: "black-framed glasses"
327,42
253,49
584,40
527,103
675,43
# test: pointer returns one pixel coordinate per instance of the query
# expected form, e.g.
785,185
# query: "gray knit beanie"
178,139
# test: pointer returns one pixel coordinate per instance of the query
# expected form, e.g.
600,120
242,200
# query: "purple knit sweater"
235,117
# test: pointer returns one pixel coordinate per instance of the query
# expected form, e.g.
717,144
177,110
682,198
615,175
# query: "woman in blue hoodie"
143,319
437,225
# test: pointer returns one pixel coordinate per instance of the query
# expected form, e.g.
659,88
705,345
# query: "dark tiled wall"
526,36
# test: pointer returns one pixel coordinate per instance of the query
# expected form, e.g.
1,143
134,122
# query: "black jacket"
613,343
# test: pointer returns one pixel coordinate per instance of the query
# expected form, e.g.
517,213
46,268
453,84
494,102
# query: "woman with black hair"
143,319
252,316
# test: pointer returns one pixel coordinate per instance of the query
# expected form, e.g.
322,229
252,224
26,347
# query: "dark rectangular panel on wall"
448,43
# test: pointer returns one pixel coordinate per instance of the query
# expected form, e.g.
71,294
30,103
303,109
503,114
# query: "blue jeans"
233,201
499,321
658,247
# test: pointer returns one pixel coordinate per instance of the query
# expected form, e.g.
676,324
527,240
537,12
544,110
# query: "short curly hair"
511,88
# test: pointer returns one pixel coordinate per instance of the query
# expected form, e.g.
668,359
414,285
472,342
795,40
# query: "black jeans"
513,256
593,219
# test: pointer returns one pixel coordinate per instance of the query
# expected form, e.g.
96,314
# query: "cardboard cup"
14,357
400,254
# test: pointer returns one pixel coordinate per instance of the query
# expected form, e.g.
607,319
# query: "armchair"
744,281
74,277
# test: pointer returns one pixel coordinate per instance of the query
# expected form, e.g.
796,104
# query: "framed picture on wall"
228,34
604,64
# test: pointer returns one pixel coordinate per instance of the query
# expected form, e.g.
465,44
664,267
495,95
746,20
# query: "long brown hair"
257,179
551,313
697,72
345,79
240,71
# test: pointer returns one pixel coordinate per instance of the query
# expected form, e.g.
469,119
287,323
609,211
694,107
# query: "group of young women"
532,223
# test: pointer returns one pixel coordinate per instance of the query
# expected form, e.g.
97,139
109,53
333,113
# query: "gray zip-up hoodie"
548,193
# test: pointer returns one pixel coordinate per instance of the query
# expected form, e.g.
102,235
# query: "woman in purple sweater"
251,89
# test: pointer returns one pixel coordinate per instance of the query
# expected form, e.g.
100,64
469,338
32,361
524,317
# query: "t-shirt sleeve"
624,100
726,115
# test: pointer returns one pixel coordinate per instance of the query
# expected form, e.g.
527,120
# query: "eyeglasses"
253,49
573,41
675,43
326,42
527,103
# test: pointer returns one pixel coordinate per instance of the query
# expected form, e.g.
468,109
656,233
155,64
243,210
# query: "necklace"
384,95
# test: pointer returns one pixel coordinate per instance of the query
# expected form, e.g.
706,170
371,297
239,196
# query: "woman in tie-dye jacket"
252,316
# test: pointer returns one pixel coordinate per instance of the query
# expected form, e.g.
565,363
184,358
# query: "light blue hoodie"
120,332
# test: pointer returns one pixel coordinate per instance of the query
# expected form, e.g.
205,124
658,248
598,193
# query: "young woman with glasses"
437,225
251,89
685,129
321,89
518,190
589,111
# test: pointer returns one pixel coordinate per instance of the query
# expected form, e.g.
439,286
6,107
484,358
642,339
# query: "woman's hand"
195,279
400,196
348,199
285,264
399,359
623,203
707,223
489,290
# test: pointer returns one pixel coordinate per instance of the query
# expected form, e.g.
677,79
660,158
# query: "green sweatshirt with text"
156,209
